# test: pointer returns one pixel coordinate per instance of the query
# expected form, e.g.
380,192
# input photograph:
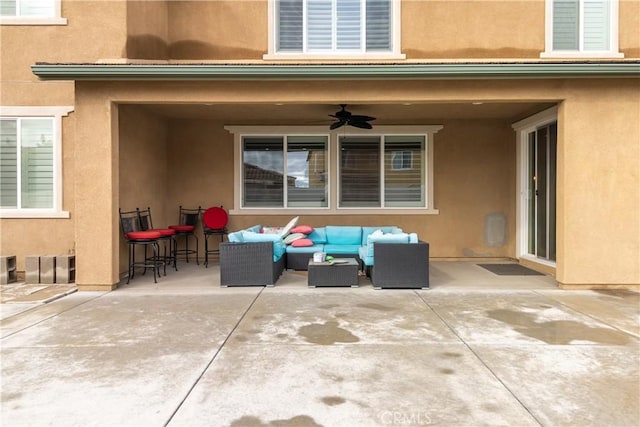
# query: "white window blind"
378,25
581,25
319,24
404,171
309,26
27,165
8,163
30,8
289,25
565,24
360,171
596,24
349,25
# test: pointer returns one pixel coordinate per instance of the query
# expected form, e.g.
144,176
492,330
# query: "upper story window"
334,28
31,162
31,12
582,28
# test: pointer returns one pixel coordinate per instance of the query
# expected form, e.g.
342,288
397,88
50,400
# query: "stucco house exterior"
502,128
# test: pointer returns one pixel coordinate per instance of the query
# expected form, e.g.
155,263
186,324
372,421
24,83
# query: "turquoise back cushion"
318,235
385,238
278,245
344,235
386,229
235,237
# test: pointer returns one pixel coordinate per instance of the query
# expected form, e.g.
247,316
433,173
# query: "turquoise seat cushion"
341,249
318,235
366,259
305,249
384,238
278,245
344,235
388,229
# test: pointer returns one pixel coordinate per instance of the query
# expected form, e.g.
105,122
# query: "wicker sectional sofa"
390,257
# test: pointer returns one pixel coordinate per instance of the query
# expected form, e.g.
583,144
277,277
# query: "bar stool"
214,223
130,222
188,220
167,236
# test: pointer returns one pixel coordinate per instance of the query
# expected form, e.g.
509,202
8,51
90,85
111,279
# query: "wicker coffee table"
339,272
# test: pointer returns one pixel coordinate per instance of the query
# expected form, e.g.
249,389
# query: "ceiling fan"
344,117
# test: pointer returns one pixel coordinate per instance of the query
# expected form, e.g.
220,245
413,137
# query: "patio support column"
598,181
96,190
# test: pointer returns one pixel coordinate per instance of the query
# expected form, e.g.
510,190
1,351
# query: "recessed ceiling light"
477,103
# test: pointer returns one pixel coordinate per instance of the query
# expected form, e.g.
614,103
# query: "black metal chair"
214,223
167,236
188,221
135,236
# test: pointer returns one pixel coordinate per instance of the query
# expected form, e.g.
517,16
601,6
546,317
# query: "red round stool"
214,223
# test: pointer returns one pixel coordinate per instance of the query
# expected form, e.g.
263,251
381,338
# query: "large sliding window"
382,171
582,28
341,27
284,171
299,169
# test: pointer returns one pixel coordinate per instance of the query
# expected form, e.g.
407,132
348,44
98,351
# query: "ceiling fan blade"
362,118
361,125
338,124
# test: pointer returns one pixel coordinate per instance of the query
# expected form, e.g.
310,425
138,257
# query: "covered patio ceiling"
294,114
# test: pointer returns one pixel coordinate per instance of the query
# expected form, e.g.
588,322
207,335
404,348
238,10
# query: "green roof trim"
333,71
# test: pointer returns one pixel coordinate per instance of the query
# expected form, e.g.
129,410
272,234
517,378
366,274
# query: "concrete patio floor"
476,349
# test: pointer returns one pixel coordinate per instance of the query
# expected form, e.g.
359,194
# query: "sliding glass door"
541,192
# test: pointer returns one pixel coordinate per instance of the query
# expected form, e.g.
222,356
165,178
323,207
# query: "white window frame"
428,131
55,19
613,51
395,52
522,129
285,146
56,113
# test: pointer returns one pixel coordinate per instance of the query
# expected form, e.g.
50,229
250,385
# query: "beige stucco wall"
482,29
232,30
599,183
628,34
144,170
147,29
82,39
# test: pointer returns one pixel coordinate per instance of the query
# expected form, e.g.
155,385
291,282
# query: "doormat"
510,270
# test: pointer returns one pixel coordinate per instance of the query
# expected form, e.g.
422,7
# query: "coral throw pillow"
304,229
302,242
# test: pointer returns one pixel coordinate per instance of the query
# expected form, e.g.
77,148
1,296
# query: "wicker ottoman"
340,272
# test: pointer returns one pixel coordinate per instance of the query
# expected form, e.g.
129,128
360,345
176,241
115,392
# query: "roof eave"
332,71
